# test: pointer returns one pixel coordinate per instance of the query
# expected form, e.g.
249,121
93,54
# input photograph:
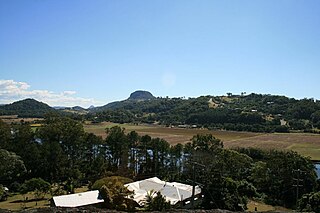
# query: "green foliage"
155,201
310,202
26,108
36,185
109,181
118,146
61,152
274,175
224,193
5,135
206,142
114,193
11,166
3,193
254,112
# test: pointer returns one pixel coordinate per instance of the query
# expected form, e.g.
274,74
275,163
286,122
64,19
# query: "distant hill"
78,108
134,98
253,112
26,108
141,95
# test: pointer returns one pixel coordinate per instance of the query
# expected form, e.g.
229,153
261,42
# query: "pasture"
17,202
9,119
304,143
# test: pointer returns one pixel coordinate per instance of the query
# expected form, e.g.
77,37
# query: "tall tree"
118,147
12,167
5,135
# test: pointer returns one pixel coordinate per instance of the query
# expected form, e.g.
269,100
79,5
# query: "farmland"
15,119
304,143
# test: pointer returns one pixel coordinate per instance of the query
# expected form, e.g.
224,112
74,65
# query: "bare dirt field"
304,143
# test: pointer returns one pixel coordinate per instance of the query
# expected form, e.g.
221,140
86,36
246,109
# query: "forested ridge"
254,112
59,155
26,108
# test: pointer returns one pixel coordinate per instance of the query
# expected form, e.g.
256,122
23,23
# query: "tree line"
254,112
61,153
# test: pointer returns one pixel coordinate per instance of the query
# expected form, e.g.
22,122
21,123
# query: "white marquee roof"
78,199
173,191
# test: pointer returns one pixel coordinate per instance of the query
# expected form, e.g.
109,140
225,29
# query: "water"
318,170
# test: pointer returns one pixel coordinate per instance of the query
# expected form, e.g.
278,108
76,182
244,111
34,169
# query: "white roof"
173,191
78,199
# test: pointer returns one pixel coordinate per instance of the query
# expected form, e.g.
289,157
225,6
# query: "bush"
114,193
36,185
310,202
109,181
3,193
155,201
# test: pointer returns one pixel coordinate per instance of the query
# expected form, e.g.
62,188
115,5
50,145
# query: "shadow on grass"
28,200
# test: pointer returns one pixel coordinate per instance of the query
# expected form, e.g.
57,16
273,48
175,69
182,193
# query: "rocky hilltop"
141,95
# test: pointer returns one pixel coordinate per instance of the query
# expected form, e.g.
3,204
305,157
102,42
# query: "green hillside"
26,108
254,112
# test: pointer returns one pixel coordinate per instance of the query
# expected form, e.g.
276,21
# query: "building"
78,199
175,193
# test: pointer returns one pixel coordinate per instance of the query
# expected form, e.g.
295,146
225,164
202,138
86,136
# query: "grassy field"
16,202
304,143
261,207
14,119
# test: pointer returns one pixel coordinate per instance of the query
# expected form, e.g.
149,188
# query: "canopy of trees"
60,151
254,112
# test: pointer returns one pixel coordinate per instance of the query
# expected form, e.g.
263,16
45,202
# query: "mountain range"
253,112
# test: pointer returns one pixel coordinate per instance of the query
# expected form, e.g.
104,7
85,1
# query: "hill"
253,112
133,100
141,95
26,108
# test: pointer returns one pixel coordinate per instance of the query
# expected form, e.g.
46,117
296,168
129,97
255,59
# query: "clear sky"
83,52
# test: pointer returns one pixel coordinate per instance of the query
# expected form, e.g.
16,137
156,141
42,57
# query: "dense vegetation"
61,153
254,112
26,108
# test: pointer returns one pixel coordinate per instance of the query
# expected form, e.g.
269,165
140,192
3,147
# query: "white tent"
172,191
78,199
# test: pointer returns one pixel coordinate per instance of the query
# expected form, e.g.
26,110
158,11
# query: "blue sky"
81,52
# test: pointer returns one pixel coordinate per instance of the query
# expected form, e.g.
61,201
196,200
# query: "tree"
118,147
5,135
145,167
11,167
24,144
133,140
176,153
222,172
63,147
114,193
36,185
3,193
160,151
224,193
274,175
155,201
310,202
315,117
206,142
